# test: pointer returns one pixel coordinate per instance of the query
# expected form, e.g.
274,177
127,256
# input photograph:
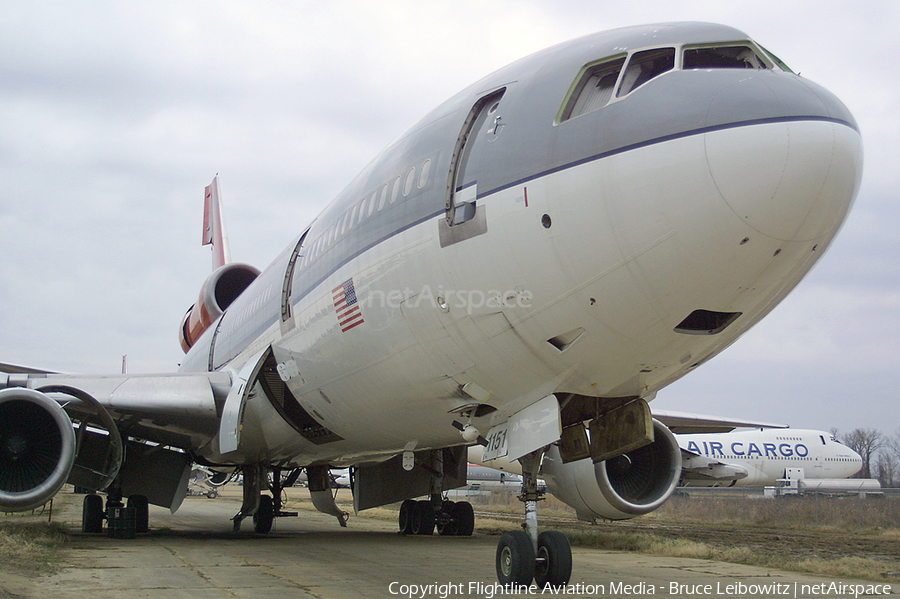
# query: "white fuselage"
766,455
575,276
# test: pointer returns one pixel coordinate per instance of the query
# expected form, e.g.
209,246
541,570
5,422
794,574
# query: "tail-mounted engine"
632,484
222,287
37,449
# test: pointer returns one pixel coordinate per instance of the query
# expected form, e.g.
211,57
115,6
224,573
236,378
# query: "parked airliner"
758,458
534,259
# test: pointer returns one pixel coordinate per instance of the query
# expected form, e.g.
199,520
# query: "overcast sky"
115,115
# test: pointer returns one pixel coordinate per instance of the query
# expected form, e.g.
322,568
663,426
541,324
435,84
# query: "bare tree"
865,442
886,468
891,447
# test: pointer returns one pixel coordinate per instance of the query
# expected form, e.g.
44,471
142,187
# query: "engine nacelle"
222,287
37,449
629,485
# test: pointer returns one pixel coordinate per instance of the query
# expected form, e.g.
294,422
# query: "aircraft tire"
554,563
423,518
515,558
446,520
406,516
464,516
264,516
141,512
92,514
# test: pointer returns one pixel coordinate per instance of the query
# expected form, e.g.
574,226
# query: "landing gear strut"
525,555
263,508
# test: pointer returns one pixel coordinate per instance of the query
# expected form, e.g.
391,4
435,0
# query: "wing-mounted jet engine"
52,433
622,487
37,448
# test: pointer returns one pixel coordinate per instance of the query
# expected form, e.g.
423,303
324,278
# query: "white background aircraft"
720,456
537,257
760,457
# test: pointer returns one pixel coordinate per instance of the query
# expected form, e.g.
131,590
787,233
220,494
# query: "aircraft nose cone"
791,178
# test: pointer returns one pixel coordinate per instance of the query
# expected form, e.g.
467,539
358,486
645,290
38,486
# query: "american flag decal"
346,306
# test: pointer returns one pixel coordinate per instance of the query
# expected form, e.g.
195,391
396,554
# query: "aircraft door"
287,316
483,122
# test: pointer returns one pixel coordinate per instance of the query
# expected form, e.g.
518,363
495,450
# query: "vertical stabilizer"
214,227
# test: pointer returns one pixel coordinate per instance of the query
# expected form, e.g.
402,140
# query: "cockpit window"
609,80
722,57
644,66
594,89
778,62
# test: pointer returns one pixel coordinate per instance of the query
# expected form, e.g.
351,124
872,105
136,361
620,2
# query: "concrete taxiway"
194,554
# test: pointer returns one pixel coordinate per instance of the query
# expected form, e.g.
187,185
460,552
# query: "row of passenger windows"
416,178
601,83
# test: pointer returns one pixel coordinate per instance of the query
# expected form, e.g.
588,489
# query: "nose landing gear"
525,556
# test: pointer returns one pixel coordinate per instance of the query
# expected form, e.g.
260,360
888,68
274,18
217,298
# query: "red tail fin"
214,227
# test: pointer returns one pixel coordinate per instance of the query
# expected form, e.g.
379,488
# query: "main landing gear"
524,555
448,517
122,520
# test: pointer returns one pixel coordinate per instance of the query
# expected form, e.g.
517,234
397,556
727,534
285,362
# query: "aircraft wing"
682,423
180,410
698,467
13,369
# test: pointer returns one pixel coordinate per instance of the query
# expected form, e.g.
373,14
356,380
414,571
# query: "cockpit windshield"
610,80
594,89
722,57
644,66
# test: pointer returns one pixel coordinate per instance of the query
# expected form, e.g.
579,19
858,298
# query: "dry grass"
30,544
809,512
30,547
850,516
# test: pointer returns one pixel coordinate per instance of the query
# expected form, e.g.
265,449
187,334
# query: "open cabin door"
462,189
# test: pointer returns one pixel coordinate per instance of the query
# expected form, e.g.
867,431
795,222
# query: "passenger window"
644,66
726,57
593,90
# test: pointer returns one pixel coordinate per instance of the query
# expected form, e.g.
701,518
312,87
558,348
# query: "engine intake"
222,287
623,487
37,449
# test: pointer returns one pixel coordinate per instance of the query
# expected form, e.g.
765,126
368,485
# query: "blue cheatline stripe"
355,253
